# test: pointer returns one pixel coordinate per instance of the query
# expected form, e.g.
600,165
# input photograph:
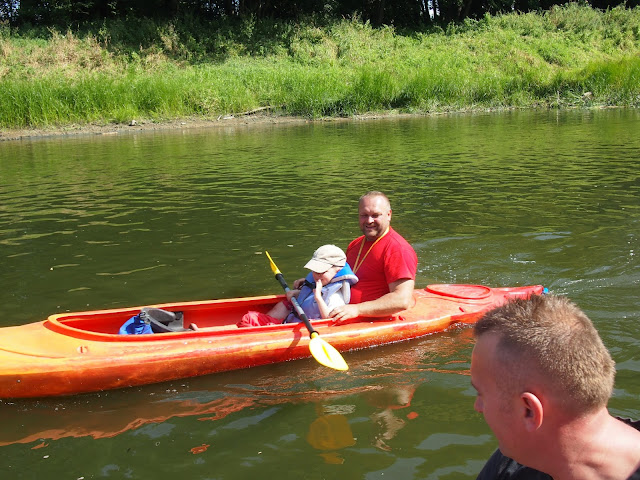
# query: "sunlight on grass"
569,56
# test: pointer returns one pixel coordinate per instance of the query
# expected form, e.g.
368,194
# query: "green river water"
506,199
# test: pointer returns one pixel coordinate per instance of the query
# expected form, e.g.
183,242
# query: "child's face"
326,276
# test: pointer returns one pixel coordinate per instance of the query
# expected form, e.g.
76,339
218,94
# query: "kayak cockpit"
219,317
206,317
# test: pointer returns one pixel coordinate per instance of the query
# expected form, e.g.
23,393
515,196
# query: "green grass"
567,57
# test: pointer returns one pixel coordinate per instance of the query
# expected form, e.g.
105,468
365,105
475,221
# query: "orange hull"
81,352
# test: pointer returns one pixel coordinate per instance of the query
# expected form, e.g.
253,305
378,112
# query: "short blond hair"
375,193
549,335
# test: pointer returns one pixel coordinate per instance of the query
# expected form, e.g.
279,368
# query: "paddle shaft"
296,305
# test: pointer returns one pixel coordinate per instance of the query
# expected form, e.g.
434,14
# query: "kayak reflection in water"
327,286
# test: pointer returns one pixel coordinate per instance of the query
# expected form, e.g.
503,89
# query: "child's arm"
322,305
334,300
292,293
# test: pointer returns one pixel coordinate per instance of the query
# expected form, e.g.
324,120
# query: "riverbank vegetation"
118,70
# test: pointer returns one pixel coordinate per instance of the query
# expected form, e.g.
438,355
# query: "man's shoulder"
398,245
501,467
396,239
629,421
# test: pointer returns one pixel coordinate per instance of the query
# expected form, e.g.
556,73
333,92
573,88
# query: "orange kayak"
82,352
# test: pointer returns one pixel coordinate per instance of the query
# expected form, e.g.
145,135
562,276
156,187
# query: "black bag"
163,321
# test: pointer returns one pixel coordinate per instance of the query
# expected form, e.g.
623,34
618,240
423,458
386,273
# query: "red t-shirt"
390,260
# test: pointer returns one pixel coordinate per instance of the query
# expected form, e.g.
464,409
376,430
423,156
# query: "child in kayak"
327,286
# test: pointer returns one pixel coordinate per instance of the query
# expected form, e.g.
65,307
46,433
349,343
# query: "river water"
505,199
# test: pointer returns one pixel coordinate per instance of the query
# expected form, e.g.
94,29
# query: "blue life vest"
342,282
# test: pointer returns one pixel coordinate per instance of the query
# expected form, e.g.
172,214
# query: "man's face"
375,217
493,400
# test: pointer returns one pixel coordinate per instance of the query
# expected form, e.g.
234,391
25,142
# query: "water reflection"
331,432
386,383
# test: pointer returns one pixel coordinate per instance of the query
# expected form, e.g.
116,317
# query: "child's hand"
322,305
292,293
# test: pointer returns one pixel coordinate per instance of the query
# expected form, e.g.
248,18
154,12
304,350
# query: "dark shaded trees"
400,13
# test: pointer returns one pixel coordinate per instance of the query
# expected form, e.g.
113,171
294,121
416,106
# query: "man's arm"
400,297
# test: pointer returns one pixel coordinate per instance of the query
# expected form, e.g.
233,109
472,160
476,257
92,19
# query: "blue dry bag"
136,325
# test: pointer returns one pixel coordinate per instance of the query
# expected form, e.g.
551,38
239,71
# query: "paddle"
324,353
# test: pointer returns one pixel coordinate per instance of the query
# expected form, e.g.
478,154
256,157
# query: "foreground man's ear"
532,411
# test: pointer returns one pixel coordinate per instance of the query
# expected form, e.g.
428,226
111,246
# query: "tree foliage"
399,13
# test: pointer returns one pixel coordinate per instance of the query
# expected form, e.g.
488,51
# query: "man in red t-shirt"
384,262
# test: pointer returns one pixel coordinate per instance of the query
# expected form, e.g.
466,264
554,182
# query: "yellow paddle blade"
326,354
274,268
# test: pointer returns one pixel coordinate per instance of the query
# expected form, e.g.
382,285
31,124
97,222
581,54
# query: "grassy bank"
112,73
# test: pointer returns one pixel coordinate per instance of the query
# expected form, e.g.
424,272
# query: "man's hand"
342,314
298,283
399,298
